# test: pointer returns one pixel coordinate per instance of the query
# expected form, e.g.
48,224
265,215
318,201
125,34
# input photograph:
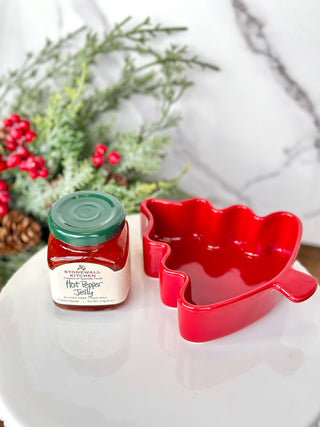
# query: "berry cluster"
15,135
98,159
18,134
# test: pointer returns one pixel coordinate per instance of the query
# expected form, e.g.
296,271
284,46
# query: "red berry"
30,135
33,174
43,172
31,163
3,165
100,149
24,125
23,166
15,133
114,158
40,161
13,160
4,197
22,151
11,145
15,118
3,209
97,160
7,123
3,185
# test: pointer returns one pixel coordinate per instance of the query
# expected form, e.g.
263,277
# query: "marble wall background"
252,131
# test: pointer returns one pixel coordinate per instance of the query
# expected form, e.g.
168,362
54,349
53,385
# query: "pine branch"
57,64
75,176
57,90
29,68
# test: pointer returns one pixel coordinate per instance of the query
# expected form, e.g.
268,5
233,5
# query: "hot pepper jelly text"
88,251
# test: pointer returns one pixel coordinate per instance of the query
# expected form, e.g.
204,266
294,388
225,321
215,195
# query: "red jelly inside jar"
88,252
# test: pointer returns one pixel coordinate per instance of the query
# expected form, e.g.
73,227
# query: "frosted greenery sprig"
57,63
72,111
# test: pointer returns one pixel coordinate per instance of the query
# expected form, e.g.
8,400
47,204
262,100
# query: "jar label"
89,284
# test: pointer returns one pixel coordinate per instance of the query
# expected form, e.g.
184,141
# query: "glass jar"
88,251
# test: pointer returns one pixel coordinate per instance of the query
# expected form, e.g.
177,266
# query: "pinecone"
118,178
18,232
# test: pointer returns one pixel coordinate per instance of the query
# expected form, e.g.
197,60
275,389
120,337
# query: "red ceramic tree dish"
222,269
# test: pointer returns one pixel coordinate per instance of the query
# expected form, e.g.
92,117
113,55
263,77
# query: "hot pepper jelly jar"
88,251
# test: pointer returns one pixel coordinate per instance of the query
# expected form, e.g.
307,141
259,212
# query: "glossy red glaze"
222,269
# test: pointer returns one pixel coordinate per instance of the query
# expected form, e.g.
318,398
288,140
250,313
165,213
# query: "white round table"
130,367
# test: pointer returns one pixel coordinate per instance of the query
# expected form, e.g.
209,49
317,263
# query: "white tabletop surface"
130,367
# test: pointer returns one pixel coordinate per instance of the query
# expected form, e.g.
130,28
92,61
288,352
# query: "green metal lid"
86,218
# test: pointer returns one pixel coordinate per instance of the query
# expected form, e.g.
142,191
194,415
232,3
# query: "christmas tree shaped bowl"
222,269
